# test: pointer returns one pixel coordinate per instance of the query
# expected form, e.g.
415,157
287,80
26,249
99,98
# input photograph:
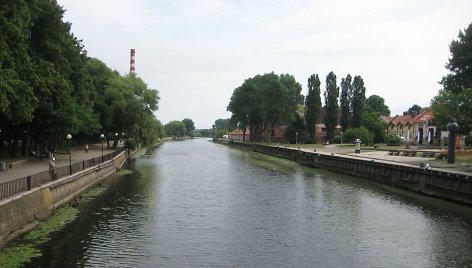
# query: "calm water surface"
195,203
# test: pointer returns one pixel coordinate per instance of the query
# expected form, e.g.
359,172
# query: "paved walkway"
32,166
384,156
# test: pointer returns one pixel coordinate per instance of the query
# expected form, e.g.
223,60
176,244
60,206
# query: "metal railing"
17,186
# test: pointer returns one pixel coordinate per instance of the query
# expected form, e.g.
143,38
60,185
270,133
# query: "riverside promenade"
29,166
383,155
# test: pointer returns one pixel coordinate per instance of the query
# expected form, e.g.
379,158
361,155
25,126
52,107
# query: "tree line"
270,100
178,129
51,88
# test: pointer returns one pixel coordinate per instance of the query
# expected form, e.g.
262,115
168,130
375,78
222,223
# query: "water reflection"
195,203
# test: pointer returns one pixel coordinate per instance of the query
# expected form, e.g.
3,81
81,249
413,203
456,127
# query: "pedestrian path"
33,166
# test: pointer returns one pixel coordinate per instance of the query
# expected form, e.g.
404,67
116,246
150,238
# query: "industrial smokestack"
132,66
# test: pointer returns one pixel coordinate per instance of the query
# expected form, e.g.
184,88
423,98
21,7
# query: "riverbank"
22,212
442,183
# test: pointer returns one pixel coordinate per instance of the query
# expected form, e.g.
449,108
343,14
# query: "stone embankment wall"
28,207
448,185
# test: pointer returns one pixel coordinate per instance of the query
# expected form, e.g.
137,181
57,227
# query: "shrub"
468,141
220,133
358,133
392,139
131,144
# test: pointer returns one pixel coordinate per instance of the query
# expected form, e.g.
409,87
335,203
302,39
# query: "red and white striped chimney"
132,66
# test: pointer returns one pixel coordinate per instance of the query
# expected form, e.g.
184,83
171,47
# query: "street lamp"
116,139
69,137
296,137
101,138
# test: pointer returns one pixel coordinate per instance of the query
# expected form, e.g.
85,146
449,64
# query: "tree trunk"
13,147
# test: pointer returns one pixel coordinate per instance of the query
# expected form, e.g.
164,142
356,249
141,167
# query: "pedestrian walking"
52,168
86,148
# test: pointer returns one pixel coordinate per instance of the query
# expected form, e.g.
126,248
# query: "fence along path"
16,186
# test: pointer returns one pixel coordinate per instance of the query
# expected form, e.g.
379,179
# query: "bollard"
358,146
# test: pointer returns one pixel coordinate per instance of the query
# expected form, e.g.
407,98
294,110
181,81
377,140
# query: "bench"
409,153
430,154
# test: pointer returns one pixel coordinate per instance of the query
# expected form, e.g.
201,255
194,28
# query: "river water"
195,203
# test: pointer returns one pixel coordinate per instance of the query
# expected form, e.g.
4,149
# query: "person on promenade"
86,148
52,168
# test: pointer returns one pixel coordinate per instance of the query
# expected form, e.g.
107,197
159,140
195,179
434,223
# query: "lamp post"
116,140
296,137
101,138
69,137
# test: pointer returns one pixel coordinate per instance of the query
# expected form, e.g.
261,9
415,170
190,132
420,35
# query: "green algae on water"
124,172
25,248
94,192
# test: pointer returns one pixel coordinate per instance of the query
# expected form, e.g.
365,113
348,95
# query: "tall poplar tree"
312,105
331,96
345,102
358,101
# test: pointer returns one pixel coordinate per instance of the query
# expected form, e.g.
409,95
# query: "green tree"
264,101
361,133
49,87
331,96
345,102
175,129
460,63
372,122
219,133
224,124
447,103
414,110
312,105
189,126
296,132
358,101
376,104
455,100
392,139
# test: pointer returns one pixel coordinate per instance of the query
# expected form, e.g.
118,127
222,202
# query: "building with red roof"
414,129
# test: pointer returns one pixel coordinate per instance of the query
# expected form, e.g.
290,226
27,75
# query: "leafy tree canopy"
189,126
376,104
49,87
175,129
460,63
265,101
414,110
224,124
447,103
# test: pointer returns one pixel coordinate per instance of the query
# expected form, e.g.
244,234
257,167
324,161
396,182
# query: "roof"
386,118
402,120
424,116
239,132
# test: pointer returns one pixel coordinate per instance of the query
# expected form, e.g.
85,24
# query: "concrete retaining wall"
448,185
28,207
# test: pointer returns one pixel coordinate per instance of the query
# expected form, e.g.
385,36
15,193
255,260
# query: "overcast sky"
196,52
